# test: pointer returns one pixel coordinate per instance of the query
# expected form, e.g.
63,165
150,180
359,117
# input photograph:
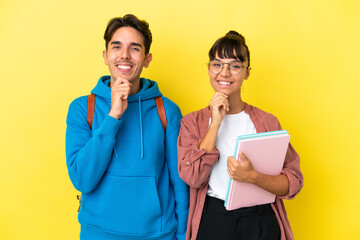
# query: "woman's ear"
247,74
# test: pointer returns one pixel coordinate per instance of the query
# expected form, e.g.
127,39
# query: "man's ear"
105,57
148,59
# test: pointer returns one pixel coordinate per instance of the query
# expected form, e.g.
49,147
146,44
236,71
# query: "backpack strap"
90,109
161,111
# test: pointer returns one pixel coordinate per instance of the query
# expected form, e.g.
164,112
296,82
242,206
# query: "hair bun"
233,33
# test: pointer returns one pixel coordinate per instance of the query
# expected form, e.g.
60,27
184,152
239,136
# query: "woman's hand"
219,105
241,171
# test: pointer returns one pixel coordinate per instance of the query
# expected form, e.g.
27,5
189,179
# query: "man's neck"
135,87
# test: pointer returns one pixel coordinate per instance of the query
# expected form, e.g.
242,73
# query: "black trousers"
251,223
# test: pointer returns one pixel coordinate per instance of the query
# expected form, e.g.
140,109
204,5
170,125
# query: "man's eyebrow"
115,42
132,44
136,44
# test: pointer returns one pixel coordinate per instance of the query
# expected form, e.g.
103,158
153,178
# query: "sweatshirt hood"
148,89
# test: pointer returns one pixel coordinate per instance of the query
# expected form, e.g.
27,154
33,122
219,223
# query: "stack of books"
266,151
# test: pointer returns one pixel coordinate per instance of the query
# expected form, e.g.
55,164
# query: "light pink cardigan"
195,165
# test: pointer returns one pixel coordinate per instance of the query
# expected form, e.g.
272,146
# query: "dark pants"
251,223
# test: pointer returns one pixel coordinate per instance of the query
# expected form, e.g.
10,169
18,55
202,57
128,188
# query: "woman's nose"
225,71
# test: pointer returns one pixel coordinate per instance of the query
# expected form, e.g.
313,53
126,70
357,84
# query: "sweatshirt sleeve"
88,153
194,165
181,190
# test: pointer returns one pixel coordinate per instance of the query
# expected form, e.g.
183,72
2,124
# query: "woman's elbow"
191,179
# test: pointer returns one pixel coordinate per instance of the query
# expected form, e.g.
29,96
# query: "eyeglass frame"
222,66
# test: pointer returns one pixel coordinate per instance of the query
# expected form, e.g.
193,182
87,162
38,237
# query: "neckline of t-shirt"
235,115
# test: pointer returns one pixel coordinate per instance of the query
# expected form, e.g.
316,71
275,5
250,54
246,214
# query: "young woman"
205,148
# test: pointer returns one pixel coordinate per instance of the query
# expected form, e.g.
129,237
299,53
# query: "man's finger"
121,80
124,96
118,81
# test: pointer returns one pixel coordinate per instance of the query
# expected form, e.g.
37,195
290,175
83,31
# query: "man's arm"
87,154
180,188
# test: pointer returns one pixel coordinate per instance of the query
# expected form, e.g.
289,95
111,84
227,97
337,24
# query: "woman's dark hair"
128,20
232,45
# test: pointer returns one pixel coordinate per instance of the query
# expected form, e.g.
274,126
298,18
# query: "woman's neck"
236,104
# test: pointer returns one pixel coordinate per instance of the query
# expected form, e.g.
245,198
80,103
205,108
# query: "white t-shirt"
231,127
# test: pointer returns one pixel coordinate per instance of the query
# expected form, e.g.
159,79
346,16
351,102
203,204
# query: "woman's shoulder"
195,123
196,119
199,114
265,118
261,112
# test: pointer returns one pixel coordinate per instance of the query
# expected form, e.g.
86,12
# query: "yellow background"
306,71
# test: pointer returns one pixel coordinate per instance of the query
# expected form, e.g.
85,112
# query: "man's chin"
122,76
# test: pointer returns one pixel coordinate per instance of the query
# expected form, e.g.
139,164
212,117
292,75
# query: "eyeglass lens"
217,66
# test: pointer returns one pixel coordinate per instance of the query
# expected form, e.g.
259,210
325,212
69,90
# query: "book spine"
231,183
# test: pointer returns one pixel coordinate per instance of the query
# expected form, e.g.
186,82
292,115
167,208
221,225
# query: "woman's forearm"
278,184
209,141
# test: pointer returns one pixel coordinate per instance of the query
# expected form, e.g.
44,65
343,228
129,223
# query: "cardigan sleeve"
194,165
267,122
292,171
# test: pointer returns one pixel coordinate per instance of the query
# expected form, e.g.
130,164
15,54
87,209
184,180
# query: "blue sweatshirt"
126,169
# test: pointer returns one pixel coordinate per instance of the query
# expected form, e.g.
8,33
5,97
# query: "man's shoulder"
78,105
171,107
79,101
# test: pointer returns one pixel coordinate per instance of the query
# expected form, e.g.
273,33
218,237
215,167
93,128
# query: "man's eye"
116,47
135,49
217,65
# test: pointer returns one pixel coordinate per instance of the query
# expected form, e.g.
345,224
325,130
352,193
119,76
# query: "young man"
125,166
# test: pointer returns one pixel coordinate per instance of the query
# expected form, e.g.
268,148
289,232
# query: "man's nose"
124,53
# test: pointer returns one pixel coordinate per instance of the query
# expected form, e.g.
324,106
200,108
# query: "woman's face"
224,81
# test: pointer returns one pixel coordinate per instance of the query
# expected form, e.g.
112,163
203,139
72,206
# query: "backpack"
91,111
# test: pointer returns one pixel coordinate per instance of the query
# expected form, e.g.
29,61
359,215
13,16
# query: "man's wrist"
116,116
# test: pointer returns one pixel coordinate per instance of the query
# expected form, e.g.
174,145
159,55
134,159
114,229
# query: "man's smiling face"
125,55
